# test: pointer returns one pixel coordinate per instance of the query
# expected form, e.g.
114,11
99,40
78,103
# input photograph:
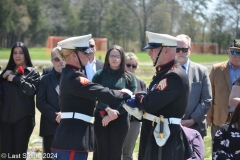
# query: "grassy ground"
144,73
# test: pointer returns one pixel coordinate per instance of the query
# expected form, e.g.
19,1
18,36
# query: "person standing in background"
131,65
47,102
93,64
112,127
200,95
222,76
19,84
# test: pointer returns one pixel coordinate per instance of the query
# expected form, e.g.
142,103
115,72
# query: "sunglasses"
184,50
235,53
91,46
56,59
133,66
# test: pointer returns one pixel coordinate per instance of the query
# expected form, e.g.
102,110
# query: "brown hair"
123,71
236,117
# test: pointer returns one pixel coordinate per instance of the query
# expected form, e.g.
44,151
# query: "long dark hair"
236,116
122,70
11,64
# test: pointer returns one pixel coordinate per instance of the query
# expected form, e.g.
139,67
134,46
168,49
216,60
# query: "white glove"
125,90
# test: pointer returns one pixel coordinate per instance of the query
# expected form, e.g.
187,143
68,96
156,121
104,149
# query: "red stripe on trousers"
71,157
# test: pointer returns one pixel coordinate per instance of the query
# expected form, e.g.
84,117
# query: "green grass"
43,54
35,53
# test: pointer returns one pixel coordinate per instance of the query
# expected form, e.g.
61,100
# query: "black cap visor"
84,49
153,45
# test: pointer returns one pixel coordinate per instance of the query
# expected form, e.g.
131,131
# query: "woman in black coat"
19,82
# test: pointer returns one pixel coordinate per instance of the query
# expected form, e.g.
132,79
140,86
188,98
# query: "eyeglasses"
113,56
91,45
130,65
235,53
56,59
184,50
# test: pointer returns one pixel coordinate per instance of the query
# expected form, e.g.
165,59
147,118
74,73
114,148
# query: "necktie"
184,67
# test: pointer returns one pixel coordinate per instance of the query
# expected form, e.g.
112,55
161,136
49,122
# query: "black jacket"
47,70
78,94
48,103
18,95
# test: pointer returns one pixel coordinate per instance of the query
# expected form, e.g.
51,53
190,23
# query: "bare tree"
142,9
232,11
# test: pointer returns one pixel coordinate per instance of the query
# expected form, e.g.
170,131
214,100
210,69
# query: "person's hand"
58,118
112,113
106,120
209,121
188,122
10,77
125,90
7,73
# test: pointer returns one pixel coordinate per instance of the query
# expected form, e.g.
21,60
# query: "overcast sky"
212,6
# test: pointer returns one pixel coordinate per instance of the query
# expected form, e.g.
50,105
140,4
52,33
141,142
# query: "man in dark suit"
48,103
93,64
200,95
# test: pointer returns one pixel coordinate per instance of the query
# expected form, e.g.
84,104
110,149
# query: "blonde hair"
131,56
63,53
187,37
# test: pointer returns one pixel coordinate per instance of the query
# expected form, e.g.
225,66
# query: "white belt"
75,115
151,117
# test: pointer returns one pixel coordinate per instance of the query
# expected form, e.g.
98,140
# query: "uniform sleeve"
82,87
131,86
97,79
158,99
211,77
29,83
205,99
41,102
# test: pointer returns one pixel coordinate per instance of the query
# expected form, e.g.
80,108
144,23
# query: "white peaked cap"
158,40
79,43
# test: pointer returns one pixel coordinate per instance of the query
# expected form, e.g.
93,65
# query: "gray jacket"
200,96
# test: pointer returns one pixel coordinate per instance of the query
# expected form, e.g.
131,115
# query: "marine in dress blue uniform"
167,96
74,137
